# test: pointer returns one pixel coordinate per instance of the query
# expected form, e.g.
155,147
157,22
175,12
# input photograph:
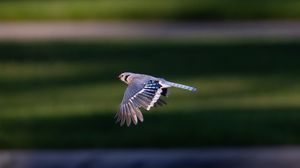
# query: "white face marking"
124,77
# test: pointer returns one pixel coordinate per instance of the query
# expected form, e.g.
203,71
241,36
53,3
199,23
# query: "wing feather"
137,95
128,115
139,114
133,114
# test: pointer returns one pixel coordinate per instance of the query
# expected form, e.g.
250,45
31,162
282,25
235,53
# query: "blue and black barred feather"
149,96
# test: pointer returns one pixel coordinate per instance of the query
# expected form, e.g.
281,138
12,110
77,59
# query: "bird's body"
143,91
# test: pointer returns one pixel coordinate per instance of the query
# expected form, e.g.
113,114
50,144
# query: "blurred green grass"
65,94
20,10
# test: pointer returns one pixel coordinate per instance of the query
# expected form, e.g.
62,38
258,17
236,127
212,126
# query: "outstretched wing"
140,95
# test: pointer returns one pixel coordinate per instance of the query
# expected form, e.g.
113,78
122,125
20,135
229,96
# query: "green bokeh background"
64,94
181,10
61,95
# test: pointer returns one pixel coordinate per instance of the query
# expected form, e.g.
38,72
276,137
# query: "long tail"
190,88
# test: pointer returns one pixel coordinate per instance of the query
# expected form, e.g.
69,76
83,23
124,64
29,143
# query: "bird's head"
125,77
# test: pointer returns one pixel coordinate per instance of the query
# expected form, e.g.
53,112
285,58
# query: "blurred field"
65,94
20,10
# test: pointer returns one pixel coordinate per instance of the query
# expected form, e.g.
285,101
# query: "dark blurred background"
177,10
63,93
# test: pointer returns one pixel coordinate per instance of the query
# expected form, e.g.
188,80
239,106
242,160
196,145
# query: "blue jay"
143,91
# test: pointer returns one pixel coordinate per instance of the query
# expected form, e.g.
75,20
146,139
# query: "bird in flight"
143,91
